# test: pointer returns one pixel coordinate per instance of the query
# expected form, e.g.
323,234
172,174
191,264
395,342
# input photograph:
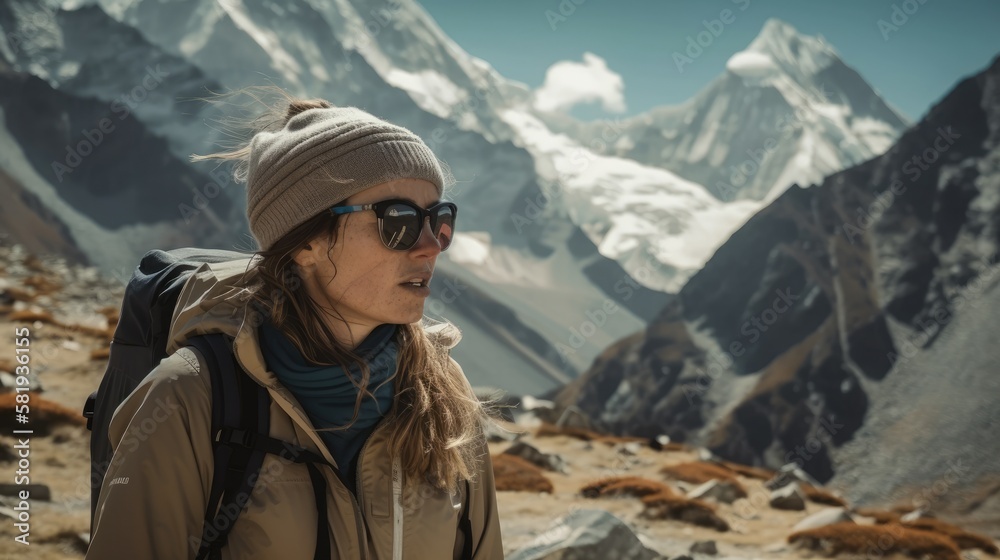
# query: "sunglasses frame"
425,214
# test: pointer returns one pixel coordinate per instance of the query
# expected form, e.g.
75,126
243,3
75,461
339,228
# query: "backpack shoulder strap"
240,428
465,524
239,406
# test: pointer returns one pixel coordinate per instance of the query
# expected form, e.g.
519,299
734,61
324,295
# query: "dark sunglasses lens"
445,226
400,227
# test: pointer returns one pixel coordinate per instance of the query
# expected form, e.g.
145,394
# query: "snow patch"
281,60
471,247
641,216
431,90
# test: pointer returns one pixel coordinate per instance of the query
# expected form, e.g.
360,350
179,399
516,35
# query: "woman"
347,212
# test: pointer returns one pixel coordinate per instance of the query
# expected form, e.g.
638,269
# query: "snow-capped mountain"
786,110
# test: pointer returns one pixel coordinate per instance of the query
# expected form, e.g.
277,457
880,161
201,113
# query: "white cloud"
568,83
751,64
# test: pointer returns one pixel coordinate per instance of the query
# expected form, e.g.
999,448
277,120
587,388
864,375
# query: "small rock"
659,442
719,490
550,461
915,515
71,345
704,547
789,497
530,403
824,517
706,455
631,448
790,473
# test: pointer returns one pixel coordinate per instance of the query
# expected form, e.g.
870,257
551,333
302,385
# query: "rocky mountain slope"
846,327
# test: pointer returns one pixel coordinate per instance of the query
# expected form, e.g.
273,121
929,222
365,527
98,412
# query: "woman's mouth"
417,286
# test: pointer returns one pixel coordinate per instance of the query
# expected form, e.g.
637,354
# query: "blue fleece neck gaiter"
328,396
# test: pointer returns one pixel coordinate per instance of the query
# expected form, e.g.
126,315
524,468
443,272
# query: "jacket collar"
212,300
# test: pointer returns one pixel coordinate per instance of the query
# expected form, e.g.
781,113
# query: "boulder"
584,534
788,497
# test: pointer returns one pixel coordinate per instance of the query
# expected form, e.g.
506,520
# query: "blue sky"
912,66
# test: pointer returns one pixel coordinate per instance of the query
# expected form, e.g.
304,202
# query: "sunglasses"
401,221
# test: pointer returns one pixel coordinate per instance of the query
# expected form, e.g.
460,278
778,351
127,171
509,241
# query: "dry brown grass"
29,316
100,353
43,413
547,430
513,473
624,486
748,471
876,539
821,496
104,333
32,262
963,539
41,284
700,472
669,506
19,294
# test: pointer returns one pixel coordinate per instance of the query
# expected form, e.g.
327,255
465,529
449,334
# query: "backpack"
240,406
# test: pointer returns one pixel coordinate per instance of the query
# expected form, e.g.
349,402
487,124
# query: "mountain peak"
790,49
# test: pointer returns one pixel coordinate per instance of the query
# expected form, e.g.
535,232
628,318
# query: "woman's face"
365,281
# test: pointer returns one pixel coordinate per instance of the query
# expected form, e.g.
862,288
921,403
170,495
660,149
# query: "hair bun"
299,105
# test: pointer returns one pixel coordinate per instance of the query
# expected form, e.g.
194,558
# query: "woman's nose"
427,242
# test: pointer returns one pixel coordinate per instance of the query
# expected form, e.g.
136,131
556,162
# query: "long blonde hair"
437,421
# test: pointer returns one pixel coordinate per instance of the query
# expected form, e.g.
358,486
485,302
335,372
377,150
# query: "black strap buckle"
230,436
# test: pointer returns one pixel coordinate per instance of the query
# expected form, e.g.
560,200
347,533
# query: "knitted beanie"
321,157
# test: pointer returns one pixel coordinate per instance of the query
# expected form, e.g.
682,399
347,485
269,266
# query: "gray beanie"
320,158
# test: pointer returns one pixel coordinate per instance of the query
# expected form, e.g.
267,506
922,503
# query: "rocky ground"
70,312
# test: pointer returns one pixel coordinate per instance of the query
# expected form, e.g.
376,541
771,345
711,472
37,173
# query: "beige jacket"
153,501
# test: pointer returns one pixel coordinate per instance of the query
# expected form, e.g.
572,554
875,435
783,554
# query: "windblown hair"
437,421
